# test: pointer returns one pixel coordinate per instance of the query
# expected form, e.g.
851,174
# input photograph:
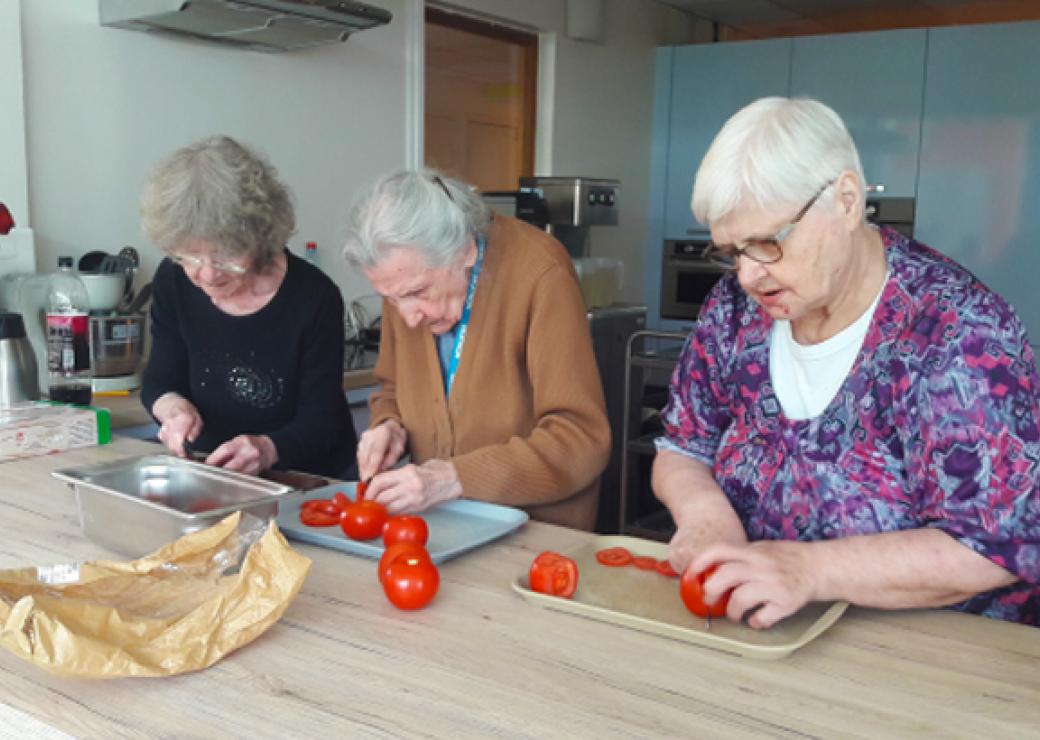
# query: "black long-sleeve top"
277,372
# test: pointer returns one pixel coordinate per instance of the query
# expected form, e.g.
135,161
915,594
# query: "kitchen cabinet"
709,83
980,157
875,82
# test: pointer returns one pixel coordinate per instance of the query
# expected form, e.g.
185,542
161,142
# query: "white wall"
102,105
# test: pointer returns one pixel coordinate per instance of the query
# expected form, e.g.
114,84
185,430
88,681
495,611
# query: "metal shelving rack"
646,352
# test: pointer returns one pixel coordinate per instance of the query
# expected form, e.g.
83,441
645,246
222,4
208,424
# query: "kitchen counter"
480,661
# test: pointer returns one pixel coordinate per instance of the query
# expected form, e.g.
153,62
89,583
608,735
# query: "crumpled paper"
182,608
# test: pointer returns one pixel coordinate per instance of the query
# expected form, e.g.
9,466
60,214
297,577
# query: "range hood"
262,25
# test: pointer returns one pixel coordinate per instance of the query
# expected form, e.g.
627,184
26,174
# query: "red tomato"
363,520
644,562
316,517
411,581
405,529
614,557
397,549
325,505
665,569
691,589
341,501
553,574
359,491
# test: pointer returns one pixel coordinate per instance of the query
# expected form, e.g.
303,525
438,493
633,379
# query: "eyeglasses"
191,262
766,250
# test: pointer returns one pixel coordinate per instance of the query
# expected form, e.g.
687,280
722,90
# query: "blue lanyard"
460,330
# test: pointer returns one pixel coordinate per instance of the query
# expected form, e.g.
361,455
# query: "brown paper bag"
176,610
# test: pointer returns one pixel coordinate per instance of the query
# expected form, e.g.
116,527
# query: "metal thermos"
18,378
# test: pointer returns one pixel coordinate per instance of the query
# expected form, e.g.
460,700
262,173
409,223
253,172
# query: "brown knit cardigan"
525,424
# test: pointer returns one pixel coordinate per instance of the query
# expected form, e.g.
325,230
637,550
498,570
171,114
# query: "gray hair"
222,192
773,153
419,209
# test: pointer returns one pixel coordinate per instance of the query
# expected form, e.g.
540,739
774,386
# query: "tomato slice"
644,562
553,574
362,486
316,517
614,557
665,569
341,501
324,505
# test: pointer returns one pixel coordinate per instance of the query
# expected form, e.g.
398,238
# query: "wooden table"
482,662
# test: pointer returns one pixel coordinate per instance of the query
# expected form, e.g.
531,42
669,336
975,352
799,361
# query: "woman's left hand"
415,488
245,453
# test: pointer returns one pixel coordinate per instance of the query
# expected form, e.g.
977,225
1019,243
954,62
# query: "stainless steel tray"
135,505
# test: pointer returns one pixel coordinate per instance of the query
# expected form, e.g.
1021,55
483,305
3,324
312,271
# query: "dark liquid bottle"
68,337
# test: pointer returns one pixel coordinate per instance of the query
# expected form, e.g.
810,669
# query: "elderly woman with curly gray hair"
246,362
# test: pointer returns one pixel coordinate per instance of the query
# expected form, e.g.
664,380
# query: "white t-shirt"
807,376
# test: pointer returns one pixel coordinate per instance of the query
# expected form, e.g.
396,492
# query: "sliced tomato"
614,557
341,500
362,486
554,574
316,517
665,569
324,505
644,562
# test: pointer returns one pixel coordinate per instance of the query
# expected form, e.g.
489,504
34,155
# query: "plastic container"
600,279
310,253
68,337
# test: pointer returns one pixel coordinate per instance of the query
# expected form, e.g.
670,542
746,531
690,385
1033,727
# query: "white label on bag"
58,574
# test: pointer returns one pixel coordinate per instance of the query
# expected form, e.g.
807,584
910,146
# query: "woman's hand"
380,447
245,453
179,421
770,579
415,487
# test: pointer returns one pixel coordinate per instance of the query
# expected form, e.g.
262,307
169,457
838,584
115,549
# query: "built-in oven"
686,277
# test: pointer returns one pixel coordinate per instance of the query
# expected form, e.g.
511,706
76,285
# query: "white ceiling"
822,16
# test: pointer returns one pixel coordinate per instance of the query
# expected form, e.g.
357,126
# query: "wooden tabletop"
482,662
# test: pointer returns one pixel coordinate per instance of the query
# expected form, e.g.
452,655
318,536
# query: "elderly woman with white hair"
247,339
854,417
485,362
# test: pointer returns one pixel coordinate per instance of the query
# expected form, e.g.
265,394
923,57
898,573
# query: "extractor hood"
263,25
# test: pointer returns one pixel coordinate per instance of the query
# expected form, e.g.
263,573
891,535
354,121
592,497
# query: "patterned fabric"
936,425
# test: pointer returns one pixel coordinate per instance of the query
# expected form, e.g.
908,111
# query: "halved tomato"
553,574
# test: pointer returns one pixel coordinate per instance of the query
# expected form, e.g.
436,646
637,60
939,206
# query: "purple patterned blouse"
936,425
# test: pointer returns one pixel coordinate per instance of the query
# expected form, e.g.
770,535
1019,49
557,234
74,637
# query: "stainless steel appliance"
18,373
571,206
895,212
686,277
116,349
261,25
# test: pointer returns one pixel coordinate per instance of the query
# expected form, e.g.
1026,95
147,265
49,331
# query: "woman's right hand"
380,447
179,421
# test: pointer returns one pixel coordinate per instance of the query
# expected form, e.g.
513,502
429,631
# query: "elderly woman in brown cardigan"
486,366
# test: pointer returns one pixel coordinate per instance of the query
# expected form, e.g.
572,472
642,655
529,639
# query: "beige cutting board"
648,601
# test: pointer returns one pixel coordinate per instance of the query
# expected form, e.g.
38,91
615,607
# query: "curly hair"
219,191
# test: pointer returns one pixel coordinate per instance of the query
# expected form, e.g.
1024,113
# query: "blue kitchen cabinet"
709,83
875,81
979,183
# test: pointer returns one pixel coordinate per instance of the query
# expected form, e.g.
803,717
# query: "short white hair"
774,153
418,209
